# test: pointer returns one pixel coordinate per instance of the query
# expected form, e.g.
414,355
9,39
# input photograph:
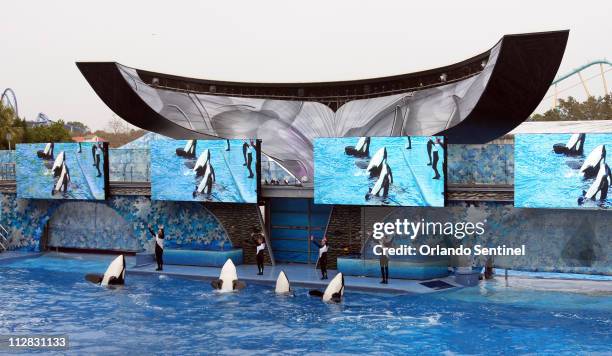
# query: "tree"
7,123
79,126
570,109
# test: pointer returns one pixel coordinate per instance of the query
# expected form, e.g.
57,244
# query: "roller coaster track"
604,67
11,100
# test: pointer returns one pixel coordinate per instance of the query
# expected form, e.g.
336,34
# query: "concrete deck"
299,275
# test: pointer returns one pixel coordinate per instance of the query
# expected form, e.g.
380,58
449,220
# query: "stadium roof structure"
473,101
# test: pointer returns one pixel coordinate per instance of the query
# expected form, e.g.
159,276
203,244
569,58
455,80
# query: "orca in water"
381,187
61,185
58,164
376,163
203,160
114,275
361,149
228,279
573,147
599,188
47,153
591,164
206,184
189,151
282,284
334,291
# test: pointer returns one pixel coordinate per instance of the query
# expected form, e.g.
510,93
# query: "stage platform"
300,275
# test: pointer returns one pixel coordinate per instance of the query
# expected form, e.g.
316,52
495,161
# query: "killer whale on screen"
114,275
189,151
200,166
283,286
381,187
334,291
58,164
361,149
206,184
573,147
598,191
46,153
228,279
591,165
376,163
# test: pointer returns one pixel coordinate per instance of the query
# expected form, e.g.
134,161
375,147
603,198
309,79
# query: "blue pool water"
36,179
544,179
172,177
176,316
343,179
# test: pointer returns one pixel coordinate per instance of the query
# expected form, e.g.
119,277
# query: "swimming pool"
177,316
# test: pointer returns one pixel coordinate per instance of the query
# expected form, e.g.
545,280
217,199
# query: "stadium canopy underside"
473,101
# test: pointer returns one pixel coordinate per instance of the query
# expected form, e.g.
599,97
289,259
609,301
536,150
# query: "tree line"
570,109
19,131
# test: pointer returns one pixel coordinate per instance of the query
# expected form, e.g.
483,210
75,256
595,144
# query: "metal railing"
7,171
4,238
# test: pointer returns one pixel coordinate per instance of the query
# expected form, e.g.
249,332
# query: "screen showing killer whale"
562,171
61,170
394,171
204,170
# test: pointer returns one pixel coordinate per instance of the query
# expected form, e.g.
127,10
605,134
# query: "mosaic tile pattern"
569,241
120,223
480,164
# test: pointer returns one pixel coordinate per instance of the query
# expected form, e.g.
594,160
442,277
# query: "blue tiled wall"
119,223
481,164
555,240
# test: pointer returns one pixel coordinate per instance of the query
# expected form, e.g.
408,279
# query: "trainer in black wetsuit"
430,144
259,252
384,264
323,248
159,247
436,157
94,147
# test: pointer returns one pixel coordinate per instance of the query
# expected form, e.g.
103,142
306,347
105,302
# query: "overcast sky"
280,41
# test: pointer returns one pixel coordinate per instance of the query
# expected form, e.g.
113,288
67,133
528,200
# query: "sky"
264,41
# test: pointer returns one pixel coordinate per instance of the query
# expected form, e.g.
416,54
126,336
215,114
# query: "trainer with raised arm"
159,246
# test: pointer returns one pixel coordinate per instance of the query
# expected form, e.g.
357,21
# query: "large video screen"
562,171
62,170
397,171
205,170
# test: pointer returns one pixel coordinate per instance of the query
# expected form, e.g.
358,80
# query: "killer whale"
590,167
282,284
361,149
376,163
381,187
203,160
334,291
61,185
598,191
47,153
189,151
58,164
573,147
205,186
228,279
114,275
